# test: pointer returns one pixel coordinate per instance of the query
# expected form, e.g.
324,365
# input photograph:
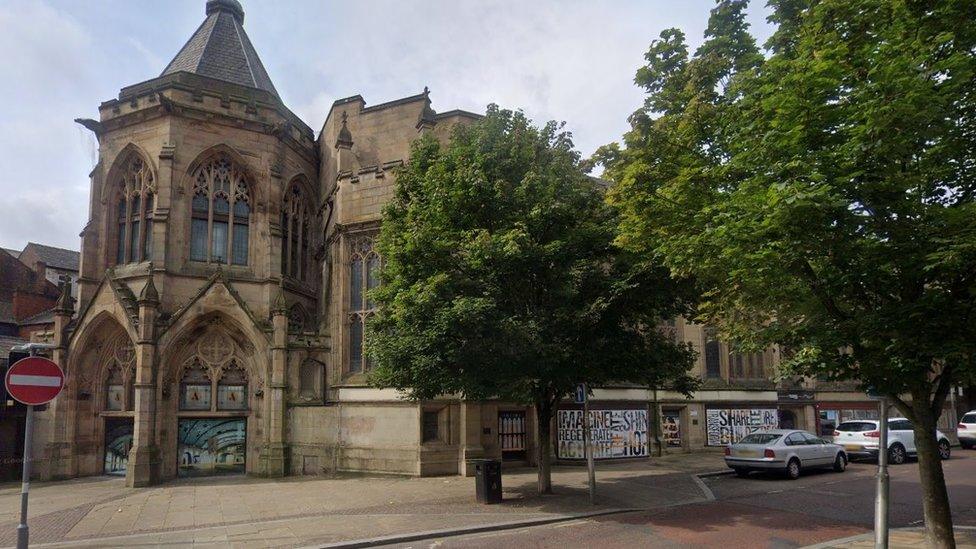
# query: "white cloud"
571,60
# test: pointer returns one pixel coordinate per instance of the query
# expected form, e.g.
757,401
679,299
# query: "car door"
822,451
902,431
799,447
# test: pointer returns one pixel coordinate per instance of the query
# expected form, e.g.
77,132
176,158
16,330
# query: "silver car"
783,450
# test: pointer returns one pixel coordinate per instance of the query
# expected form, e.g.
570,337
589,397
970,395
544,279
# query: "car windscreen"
759,438
969,418
857,426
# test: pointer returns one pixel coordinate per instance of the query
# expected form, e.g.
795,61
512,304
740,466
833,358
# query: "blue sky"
571,60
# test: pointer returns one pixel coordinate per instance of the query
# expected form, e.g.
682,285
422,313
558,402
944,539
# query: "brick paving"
252,512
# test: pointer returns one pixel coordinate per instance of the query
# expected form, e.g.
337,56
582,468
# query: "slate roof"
43,317
57,258
15,253
220,49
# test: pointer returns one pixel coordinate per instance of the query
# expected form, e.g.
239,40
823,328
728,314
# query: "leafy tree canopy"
501,279
821,195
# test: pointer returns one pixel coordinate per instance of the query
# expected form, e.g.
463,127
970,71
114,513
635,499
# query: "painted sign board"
616,434
728,425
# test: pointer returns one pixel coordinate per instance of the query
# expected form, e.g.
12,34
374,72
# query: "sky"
567,60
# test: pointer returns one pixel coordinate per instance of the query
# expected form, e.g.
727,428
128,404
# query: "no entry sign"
34,380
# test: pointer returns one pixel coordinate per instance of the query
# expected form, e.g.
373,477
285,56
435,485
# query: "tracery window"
214,377
220,213
115,390
195,388
296,246
364,275
134,212
232,388
118,389
297,319
747,365
713,367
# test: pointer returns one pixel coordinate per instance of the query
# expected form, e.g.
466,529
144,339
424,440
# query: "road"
761,511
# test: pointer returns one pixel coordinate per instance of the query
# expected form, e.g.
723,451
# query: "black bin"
488,480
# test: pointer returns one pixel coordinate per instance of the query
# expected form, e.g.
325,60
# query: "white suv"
967,430
860,438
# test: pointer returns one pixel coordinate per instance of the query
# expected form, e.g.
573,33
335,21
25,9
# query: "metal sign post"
31,381
881,499
23,531
588,443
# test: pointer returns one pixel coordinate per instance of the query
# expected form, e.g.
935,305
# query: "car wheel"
793,469
840,463
944,451
896,454
741,472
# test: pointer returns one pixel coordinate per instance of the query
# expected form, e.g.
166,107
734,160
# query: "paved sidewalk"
900,538
251,512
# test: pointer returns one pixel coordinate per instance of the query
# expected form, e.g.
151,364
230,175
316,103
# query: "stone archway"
211,397
101,382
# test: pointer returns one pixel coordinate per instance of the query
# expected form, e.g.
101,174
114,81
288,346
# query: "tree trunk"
543,413
935,497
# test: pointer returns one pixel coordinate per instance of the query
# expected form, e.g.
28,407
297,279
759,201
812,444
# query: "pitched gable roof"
58,258
220,49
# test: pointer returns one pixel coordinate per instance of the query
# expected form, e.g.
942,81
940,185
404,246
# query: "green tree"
822,195
500,278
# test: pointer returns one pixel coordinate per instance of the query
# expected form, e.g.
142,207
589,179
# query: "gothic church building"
221,300
222,296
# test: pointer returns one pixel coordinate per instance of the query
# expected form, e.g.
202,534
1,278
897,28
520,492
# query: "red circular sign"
34,380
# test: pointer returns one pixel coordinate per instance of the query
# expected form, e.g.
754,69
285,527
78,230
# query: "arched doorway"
787,419
213,390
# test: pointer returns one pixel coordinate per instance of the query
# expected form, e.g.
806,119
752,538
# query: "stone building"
219,322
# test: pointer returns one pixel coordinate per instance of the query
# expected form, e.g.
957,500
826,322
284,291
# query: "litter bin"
488,480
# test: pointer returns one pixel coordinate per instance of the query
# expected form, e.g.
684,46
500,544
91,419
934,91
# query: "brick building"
24,292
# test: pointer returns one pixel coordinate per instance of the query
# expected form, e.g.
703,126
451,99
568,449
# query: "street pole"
587,439
23,531
881,499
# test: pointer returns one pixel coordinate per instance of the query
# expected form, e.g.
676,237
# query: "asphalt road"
761,511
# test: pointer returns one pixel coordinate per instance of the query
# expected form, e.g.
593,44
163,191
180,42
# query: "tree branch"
817,288
942,390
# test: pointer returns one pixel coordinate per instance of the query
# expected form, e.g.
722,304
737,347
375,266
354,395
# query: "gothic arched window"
295,243
220,213
195,388
364,275
232,388
134,208
115,393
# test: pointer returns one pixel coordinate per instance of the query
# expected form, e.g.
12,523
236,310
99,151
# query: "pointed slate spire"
220,49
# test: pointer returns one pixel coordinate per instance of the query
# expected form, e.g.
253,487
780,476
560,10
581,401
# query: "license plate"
852,447
747,453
